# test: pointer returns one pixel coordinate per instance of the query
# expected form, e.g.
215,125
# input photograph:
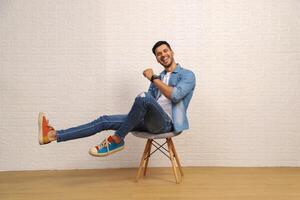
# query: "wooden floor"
198,183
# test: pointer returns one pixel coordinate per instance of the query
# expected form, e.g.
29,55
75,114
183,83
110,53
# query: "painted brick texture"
77,60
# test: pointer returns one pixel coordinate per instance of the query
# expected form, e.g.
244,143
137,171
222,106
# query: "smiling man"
162,109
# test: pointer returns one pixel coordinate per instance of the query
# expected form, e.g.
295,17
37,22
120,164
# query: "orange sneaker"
44,129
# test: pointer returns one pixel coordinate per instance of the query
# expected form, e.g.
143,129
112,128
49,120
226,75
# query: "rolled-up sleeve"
184,86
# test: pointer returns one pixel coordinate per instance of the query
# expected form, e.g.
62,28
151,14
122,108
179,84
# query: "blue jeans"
145,115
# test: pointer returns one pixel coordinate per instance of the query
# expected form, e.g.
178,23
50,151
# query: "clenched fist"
148,73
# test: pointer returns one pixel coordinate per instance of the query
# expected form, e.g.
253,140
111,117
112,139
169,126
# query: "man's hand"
148,73
164,88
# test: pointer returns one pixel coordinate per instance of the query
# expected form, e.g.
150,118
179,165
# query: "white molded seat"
148,135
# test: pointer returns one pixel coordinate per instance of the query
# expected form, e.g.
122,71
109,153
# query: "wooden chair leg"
148,157
176,157
142,163
172,159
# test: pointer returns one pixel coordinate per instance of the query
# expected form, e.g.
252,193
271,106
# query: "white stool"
173,156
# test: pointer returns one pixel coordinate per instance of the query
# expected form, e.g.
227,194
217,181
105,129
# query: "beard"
168,65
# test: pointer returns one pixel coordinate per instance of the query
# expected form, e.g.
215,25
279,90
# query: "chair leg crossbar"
172,156
158,147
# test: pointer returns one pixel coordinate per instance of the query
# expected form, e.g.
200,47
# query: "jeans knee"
143,94
141,98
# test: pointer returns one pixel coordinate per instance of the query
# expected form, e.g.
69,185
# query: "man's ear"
157,59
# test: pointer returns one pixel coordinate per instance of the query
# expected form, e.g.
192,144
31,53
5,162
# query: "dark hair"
159,43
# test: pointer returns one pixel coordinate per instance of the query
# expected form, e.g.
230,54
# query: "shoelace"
104,143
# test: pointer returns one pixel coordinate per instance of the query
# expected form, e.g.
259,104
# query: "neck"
171,68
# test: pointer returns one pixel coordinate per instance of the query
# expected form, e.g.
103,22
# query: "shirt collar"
176,70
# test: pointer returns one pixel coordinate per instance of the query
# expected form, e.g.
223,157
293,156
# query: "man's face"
164,55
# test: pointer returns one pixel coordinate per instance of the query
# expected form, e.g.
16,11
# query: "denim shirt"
183,82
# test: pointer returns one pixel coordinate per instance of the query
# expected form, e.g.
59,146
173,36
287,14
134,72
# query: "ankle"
52,135
116,139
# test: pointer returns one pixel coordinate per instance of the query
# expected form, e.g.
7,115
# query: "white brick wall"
77,60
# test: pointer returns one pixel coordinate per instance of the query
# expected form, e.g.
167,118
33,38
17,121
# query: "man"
161,109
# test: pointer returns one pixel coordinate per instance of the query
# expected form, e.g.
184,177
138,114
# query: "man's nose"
164,54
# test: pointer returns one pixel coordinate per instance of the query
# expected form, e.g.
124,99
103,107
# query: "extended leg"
106,122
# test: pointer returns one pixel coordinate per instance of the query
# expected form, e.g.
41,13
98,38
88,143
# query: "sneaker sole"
40,121
107,154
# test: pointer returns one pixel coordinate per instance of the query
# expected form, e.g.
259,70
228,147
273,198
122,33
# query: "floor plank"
198,183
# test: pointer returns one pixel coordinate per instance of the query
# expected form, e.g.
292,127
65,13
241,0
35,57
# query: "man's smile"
165,60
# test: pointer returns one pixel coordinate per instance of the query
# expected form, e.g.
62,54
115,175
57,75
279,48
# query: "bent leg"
145,110
105,122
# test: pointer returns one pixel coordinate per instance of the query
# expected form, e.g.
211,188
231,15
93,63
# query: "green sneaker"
107,147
